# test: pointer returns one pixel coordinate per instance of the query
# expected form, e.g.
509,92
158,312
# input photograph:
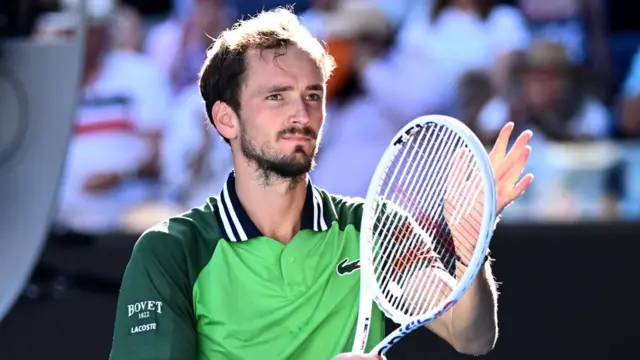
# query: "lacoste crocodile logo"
345,267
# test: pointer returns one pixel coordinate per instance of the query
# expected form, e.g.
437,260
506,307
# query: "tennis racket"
427,223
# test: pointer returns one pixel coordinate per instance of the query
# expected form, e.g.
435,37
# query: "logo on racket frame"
407,328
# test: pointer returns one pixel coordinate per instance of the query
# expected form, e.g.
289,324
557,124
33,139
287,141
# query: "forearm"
149,167
473,322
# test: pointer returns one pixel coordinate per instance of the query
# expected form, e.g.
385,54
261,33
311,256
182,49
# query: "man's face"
281,112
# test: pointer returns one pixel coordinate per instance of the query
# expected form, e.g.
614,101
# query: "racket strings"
395,194
426,292
413,253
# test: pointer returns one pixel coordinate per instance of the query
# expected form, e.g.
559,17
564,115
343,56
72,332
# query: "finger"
514,155
521,186
513,166
522,141
500,147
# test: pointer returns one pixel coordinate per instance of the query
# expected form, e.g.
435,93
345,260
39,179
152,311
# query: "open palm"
464,201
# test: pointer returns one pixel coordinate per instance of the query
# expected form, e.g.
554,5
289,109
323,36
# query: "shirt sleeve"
154,315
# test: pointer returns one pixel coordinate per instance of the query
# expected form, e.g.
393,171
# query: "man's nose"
301,112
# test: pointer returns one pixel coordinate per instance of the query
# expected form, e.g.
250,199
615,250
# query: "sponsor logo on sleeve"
146,311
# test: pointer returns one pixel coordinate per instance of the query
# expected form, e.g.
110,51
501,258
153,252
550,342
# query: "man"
255,273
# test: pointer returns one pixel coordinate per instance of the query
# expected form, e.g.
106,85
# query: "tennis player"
268,269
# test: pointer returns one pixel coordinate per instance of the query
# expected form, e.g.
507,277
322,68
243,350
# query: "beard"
270,163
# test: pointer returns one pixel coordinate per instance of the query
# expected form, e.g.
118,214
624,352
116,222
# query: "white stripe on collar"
225,220
318,210
234,216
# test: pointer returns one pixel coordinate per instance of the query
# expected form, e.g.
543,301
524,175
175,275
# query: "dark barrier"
565,294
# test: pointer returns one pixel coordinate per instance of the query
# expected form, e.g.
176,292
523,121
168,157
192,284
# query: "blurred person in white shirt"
458,36
195,162
113,155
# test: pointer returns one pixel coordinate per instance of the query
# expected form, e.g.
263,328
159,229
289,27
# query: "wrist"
486,259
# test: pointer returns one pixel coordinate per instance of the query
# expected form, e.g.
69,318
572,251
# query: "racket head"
374,201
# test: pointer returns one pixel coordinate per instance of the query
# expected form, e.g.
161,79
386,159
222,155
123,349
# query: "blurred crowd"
142,149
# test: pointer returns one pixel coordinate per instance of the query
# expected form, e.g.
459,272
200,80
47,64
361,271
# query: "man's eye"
314,97
274,97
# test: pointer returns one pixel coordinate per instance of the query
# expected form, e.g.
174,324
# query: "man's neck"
276,206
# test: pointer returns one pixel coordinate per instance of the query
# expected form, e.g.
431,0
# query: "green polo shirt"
208,285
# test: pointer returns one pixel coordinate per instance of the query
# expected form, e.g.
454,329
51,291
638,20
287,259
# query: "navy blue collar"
237,226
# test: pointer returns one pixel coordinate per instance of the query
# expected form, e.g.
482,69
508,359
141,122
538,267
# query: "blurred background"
103,133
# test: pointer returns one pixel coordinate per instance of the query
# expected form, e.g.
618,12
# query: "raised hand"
464,201
508,167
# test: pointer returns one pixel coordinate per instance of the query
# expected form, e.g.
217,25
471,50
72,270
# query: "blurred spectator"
550,98
178,44
340,47
196,160
113,154
578,24
342,36
546,95
195,163
126,30
475,89
381,92
457,36
630,100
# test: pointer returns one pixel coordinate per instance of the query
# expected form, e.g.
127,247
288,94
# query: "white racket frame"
367,281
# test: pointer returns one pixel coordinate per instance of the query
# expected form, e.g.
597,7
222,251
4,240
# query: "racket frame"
367,281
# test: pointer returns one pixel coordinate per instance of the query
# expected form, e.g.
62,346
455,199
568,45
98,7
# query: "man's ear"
224,120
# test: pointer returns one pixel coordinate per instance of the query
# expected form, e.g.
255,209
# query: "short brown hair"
222,74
